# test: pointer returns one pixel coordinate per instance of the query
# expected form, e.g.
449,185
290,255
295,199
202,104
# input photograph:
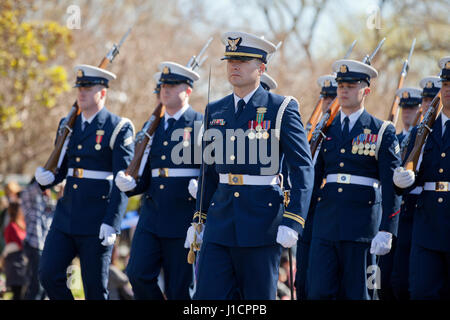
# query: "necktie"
241,105
85,125
170,123
346,129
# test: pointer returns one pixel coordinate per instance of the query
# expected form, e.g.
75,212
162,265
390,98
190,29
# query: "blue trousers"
429,274
400,269
59,250
149,253
302,267
337,270
225,273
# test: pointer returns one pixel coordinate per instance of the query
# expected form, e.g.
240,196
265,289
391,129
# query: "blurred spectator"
284,280
12,190
118,284
38,207
14,260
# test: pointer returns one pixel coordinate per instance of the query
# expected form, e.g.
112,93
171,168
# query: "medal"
258,135
354,149
265,135
251,135
186,136
98,139
372,153
366,152
258,127
360,151
367,146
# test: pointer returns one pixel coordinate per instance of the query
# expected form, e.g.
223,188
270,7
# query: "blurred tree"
31,79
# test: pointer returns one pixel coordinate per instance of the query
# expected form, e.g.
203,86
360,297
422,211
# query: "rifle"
317,112
66,127
423,130
393,116
326,120
407,138
144,136
197,61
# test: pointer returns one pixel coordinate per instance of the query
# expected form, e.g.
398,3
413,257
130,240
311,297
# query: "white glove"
125,182
190,236
193,186
108,234
44,177
403,178
286,236
381,244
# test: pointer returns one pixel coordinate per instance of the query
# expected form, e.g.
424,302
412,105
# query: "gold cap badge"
343,69
233,43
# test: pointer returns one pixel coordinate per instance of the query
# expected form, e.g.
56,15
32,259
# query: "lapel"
227,112
335,131
259,99
436,132
97,123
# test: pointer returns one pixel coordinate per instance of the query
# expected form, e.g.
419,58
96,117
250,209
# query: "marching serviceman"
430,88
167,206
357,157
248,133
410,99
88,216
328,88
430,244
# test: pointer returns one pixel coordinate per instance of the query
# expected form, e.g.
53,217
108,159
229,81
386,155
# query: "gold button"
370,202
340,190
341,164
236,194
161,186
440,200
212,203
75,186
443,154
103,197
324,150
77,159
232,138
232,157
441,170
165,143
319,198
270,204
403,201
163,157
342,150
190,198
79,147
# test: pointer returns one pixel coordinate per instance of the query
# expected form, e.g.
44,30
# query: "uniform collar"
246,98
178,114
83,118
352,117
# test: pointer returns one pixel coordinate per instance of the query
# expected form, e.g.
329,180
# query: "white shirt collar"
405,132
352,117
83,118
246,98
178,114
